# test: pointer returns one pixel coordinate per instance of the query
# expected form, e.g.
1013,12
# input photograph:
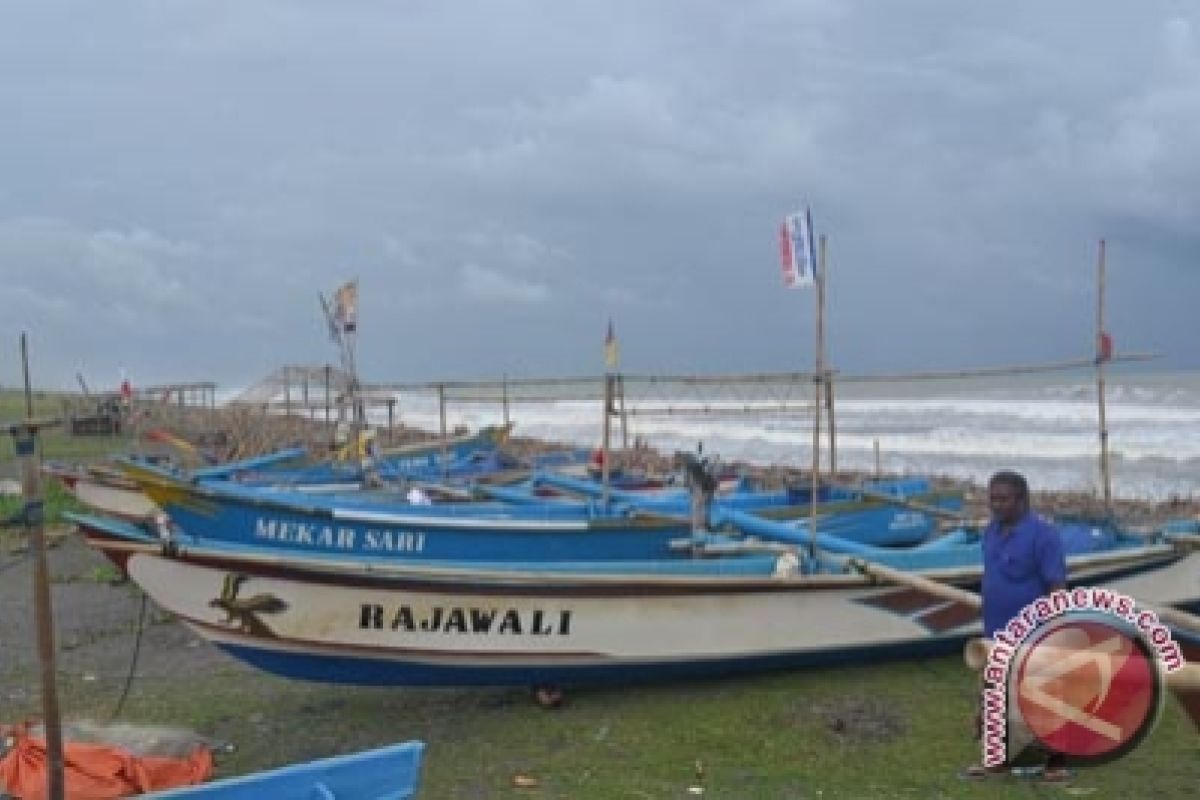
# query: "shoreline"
1053,503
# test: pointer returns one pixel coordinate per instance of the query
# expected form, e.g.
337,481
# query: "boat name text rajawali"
472,620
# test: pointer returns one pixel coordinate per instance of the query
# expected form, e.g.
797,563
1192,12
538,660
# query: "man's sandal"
1056,775
978,772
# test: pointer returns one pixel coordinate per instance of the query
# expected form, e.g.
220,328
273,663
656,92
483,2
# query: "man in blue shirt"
1022,560
1022,553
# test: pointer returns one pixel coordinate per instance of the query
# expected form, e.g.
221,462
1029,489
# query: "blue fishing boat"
385,773
628,526
469,455
901,511
383,524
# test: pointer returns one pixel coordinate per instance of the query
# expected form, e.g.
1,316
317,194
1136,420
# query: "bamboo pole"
878,462
624,415
442,430
832,424
1105,473
504,386
605,436
328,370
886,574
26,445
827,375
586,385
818,375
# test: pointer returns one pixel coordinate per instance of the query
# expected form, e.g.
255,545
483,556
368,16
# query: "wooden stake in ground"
25,444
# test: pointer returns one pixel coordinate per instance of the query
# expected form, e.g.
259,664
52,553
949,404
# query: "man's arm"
1052,562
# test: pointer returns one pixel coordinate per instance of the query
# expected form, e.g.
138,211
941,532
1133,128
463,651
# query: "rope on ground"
137,647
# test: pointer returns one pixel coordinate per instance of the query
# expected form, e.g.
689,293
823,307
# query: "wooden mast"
828,374
611,362
605,438
818,378
1103,353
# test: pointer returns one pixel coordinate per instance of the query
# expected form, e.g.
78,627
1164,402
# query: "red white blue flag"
797,251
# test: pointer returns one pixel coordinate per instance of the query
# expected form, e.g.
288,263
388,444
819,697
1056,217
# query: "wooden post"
25,441
878,462
832,424
504,398
287,391
441,389
826,374
391,404
328,389
818,376
1101,356
624,415
605,438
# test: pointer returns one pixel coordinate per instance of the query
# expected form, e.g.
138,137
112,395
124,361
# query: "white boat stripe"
431,521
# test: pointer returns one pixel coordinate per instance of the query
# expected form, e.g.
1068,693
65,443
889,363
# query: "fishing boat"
718,606
627,526
104,489
107,488
467,454
385,773
901,511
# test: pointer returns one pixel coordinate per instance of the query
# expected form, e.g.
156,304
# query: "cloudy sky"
179,180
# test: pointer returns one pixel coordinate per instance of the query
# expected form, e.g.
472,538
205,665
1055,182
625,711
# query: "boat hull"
486,627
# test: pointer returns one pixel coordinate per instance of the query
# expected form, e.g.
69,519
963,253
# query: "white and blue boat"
720,605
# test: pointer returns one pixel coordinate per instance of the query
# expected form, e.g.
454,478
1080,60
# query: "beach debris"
524,781
548,696
104,760
857,720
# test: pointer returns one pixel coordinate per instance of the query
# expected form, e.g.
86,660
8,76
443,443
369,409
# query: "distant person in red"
1023,560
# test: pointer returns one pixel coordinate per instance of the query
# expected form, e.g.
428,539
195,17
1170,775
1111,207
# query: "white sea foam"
1045,426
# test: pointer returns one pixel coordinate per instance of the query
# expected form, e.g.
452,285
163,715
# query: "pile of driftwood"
235,432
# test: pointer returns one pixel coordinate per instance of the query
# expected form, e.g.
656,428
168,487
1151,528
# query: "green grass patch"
56,499
56,442
883,731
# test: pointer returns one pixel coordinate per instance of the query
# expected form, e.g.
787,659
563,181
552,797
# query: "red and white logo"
1087,686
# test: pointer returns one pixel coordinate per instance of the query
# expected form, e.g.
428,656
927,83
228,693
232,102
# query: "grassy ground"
895,730
55,441
884,731
56,445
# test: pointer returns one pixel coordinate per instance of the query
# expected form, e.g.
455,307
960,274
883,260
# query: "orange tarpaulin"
96,771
